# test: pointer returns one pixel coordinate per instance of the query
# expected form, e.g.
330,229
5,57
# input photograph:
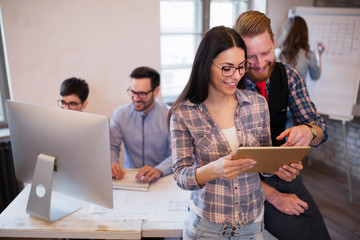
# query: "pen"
320,48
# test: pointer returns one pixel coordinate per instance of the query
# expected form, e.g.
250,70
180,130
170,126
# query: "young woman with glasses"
208,122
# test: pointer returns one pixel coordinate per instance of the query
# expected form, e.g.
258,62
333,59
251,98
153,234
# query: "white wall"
277,11
101,41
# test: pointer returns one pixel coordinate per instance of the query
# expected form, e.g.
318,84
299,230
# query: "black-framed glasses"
228,71
71,105
139,94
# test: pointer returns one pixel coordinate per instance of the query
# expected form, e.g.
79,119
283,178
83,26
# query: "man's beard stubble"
262,76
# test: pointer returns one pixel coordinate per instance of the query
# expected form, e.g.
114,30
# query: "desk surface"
15,222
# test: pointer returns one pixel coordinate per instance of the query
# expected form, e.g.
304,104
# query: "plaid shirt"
301,107
197,140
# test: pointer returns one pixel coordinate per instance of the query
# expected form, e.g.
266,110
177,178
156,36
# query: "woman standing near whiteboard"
295,50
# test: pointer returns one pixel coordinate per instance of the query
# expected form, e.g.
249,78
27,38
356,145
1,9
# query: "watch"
313,131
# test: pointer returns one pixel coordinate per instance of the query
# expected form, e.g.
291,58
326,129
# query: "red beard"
259,77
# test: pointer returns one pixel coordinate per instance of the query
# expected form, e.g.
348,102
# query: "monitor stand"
40,203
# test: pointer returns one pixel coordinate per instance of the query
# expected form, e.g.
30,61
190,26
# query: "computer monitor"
60,150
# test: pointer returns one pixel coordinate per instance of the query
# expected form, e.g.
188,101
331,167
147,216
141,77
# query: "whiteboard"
335,93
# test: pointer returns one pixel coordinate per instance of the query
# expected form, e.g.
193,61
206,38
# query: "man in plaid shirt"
290,211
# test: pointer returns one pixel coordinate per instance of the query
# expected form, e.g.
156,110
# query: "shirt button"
232,233
236,202
223,233
235,187
225,228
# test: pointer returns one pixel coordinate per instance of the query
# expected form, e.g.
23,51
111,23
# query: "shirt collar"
240,96
141,113
251,85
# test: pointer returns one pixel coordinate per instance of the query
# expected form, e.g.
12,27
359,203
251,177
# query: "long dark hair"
294,37
215,41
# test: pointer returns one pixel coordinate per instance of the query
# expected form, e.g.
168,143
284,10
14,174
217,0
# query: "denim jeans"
196,227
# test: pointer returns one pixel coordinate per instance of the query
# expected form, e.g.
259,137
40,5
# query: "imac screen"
64,151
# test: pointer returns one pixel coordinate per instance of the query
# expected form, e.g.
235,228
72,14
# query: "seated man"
142,127
73,94
290,211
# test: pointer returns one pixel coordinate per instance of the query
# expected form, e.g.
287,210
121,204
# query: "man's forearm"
270,192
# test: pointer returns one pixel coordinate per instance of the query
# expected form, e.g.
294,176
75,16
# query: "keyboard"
130,183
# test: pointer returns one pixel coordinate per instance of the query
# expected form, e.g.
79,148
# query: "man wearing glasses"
73,94
142,127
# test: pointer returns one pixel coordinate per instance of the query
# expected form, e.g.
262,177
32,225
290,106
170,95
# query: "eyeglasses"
228,71
139,94
71,105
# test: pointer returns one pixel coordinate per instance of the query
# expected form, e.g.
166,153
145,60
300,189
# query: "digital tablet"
270,159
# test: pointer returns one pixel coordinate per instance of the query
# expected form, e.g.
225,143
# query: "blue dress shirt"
146,139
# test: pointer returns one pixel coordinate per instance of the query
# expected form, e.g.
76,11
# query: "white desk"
15,222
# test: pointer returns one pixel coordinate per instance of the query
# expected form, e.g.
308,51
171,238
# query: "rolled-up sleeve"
302,108
182,153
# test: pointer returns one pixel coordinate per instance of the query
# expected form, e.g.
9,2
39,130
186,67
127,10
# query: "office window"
226,12
4,88
259,5
182,25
